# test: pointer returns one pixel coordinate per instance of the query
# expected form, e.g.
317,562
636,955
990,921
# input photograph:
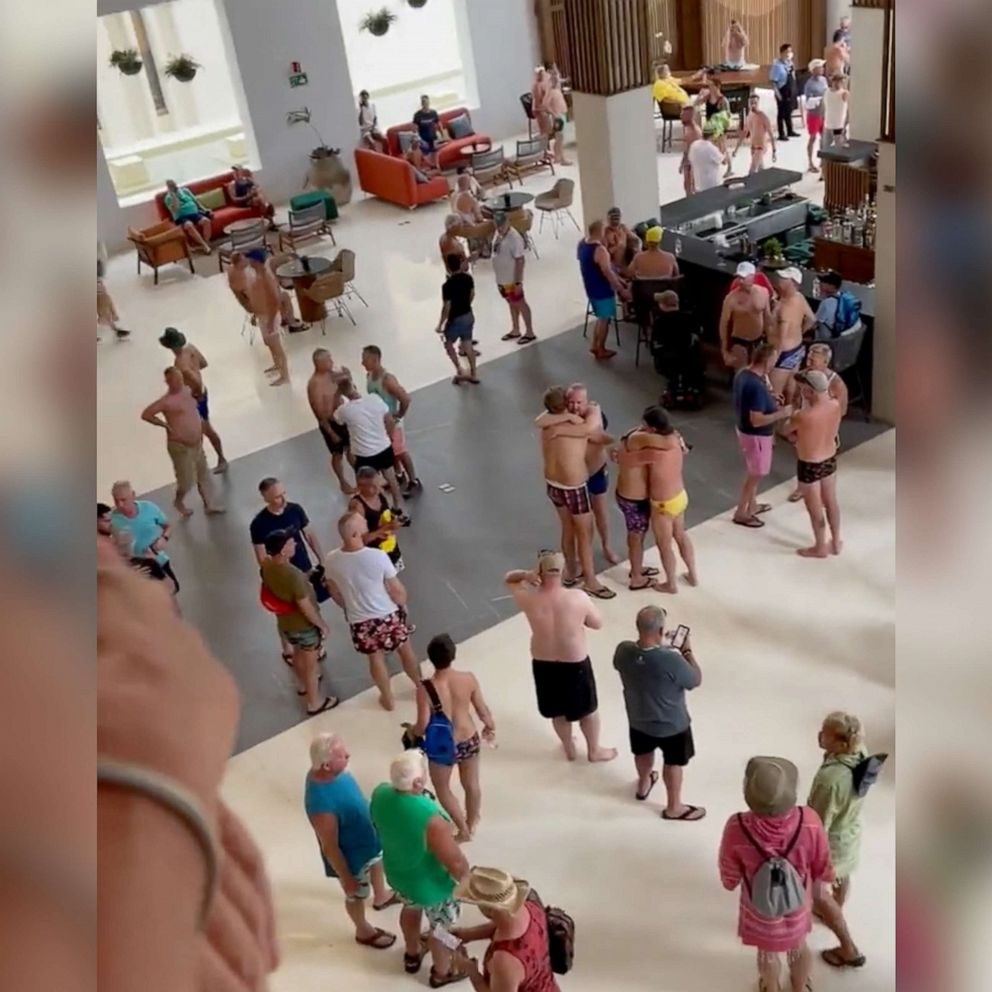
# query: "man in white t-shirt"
706,159
370,427
508,264
363,582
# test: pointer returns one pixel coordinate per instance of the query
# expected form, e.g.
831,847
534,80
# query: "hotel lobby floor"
781,641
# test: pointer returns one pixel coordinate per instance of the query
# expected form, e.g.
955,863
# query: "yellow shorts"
673,507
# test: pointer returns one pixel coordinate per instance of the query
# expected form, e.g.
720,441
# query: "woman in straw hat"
774,826
517,959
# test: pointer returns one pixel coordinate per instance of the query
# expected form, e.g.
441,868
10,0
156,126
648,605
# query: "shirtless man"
617,237
836,55
792,319
563,448
597,463
177,414
746,318
653,262
190,361
691,132
322,394
818,358
563,674
635,505
759,131
815,428
662,452
264,303
459,695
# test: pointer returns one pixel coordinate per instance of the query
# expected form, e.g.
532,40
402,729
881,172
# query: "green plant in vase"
182,68
127,60
377,22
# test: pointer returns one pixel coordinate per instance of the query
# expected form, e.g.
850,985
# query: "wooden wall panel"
662,27
608,45
768,23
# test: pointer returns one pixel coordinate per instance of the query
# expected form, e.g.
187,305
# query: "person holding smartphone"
656,672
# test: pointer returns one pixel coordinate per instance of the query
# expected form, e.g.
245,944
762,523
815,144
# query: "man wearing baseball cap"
707,159
813,92
653,262
773,827
508,266
746,318
793,318
815,431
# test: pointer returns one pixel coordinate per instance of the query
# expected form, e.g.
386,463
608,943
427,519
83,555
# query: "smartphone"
678,639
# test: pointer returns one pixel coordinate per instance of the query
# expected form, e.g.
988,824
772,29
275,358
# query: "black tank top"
373,515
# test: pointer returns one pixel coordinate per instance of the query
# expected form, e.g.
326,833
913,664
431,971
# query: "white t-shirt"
506,251
361,577
366,428
707,164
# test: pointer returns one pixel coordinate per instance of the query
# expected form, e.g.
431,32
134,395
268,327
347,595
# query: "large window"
153,127
425,50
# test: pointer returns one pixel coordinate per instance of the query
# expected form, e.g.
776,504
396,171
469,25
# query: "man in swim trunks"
662,451
746,318
792,319
322,393
508,258
563,450
459,694
815,428
190,361
563,675
758,130
691,132
632,498
264,303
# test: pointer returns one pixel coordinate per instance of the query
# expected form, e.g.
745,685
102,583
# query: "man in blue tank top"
602,287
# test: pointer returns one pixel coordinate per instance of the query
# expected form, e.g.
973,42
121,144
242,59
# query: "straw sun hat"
493,889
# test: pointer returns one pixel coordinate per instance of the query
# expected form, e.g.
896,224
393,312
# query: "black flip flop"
527,338
328,704
641,796
646,584
570,583
752,522
601,593
687,815
412,962
510,336
834,959
391,901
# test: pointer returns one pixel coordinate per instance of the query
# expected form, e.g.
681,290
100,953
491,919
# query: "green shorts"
443,914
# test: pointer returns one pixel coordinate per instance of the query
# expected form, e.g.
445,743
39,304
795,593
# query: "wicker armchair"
160,245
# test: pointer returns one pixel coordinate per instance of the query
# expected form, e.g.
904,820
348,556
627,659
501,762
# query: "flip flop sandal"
762,508
835,960
527,338
646,584
328,704
570,583
752,522
641,796
510,337
650,570
412,962
393,900
380,940
601,593
439,981
687,816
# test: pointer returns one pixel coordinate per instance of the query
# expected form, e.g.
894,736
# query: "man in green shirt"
288,594
191,215
422,861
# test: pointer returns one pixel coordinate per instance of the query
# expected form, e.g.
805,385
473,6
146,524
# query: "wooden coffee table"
303,278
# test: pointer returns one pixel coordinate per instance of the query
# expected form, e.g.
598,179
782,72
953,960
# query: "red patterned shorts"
381,633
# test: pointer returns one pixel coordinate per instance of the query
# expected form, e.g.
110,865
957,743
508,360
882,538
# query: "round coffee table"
507,202
244,225
303,277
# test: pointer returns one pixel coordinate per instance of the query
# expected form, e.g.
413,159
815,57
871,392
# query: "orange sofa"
392,179
449,155
222,216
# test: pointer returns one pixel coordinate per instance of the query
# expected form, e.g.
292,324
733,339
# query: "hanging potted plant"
377,21
127,60
182,67
326,171
416,4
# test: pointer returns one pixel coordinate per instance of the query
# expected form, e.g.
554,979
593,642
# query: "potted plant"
127,60
326,171
416,4
182,68
771,254
377,21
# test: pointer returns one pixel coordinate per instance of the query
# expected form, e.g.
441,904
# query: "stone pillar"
610,63
867,59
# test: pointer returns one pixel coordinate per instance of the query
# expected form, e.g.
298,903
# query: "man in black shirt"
279,514
428,128
457,320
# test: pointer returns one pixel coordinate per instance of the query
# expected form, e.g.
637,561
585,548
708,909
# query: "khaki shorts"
189,464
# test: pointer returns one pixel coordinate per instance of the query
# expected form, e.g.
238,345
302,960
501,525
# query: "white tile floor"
399,272
781,641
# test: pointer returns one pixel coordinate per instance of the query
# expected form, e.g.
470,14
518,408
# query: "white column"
884,349
868,45
618,160
835,10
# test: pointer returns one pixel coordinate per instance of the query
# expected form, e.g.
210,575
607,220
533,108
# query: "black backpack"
865,773
561,936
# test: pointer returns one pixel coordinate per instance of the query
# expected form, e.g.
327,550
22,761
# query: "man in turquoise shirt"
146,524
191,215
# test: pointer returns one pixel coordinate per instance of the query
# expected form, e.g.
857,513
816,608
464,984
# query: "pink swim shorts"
398,440
757,451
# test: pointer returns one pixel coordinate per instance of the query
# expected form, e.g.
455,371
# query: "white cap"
791,273
816,64
746,269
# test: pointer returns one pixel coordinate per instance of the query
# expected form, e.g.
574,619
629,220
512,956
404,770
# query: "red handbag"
274,604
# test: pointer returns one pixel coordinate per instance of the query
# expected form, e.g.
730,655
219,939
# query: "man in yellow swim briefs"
663,452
